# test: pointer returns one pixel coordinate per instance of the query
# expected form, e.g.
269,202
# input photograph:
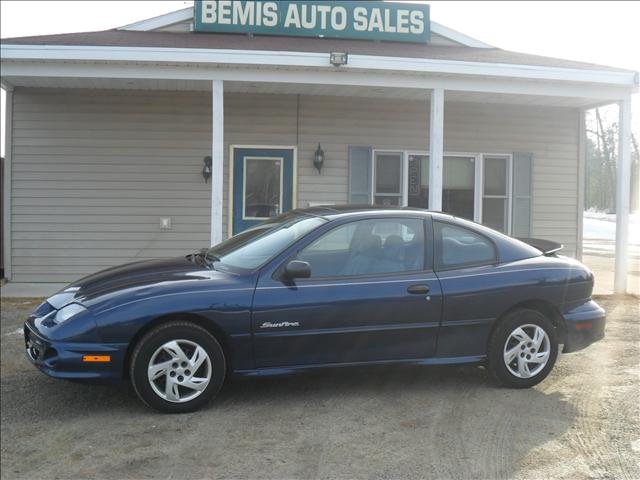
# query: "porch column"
436,147
582,160
217,159
623,192
7,187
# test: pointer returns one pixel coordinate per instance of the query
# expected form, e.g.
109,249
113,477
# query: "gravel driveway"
583,421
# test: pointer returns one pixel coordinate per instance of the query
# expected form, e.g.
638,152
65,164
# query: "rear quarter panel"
475,298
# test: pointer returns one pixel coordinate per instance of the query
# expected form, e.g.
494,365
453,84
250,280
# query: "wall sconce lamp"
318,158
206,170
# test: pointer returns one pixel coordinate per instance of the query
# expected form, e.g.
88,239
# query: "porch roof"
193,40
128,58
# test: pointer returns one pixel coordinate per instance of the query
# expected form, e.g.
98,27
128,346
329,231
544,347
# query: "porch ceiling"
294,89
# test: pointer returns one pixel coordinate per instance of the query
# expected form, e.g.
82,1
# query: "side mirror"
297,269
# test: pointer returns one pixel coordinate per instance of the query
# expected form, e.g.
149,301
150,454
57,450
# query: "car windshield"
250,249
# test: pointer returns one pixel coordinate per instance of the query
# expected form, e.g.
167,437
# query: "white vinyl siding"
95,170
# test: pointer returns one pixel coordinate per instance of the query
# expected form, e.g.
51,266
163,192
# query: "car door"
474,291
372,296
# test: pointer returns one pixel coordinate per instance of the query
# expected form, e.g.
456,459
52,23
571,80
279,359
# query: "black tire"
509,323
152,341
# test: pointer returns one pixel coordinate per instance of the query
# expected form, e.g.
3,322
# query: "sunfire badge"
279,324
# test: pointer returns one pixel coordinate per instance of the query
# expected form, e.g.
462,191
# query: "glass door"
459,186
409,185
459,183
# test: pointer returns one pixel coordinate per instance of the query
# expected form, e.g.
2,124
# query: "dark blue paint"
342,321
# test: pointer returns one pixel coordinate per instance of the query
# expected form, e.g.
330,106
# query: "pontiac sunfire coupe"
328,286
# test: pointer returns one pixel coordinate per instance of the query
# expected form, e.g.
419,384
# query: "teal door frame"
237,155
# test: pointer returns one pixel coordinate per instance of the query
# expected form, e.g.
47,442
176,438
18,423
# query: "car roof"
331,212
510,249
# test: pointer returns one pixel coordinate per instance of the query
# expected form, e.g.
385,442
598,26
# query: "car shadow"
445,421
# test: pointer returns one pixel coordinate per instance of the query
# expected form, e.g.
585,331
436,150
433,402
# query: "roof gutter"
293,60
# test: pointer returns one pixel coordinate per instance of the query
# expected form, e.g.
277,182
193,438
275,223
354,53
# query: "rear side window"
460,247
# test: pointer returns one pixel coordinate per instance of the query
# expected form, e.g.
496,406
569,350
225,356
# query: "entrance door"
459,181
263,181
459,186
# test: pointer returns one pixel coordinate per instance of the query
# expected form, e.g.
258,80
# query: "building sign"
399,22
415,174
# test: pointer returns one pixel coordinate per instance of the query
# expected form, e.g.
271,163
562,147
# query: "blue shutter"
522,194
360,175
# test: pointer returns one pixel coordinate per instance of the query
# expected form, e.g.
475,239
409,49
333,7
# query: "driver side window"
367,247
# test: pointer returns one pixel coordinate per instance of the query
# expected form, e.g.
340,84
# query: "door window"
458,186
458,189
458,246
367,247
262,187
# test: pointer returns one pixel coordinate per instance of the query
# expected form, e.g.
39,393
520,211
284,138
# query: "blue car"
328,286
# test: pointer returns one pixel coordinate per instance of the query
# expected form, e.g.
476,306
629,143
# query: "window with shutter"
360,175
522,194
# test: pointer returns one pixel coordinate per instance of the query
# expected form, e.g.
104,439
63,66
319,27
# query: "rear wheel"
177,367
523,349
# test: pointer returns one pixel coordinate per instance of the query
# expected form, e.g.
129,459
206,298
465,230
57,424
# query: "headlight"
71,310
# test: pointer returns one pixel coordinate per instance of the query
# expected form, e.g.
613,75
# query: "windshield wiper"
201,257
210,257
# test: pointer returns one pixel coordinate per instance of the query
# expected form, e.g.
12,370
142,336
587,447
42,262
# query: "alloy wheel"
179,371
527,351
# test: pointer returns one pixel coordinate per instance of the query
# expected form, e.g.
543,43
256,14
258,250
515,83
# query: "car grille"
38,350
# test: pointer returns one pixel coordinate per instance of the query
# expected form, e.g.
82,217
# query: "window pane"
262,188
495,176
418,181
494,213
388,173
459,246
458,186
368,247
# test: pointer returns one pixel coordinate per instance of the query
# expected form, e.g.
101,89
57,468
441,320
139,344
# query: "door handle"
418,289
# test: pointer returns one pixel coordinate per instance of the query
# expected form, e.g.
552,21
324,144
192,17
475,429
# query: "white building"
109,132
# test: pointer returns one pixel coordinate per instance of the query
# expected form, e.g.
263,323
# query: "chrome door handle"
418,289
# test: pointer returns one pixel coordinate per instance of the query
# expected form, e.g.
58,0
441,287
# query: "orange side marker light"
584,325
96,358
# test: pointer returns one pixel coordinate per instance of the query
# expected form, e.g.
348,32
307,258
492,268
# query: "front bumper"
65,359
585,325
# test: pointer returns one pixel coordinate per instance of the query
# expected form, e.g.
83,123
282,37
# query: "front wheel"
523,349
177,367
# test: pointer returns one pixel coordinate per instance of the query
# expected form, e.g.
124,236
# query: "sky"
604,33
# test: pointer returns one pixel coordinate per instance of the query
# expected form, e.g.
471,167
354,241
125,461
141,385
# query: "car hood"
138,276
